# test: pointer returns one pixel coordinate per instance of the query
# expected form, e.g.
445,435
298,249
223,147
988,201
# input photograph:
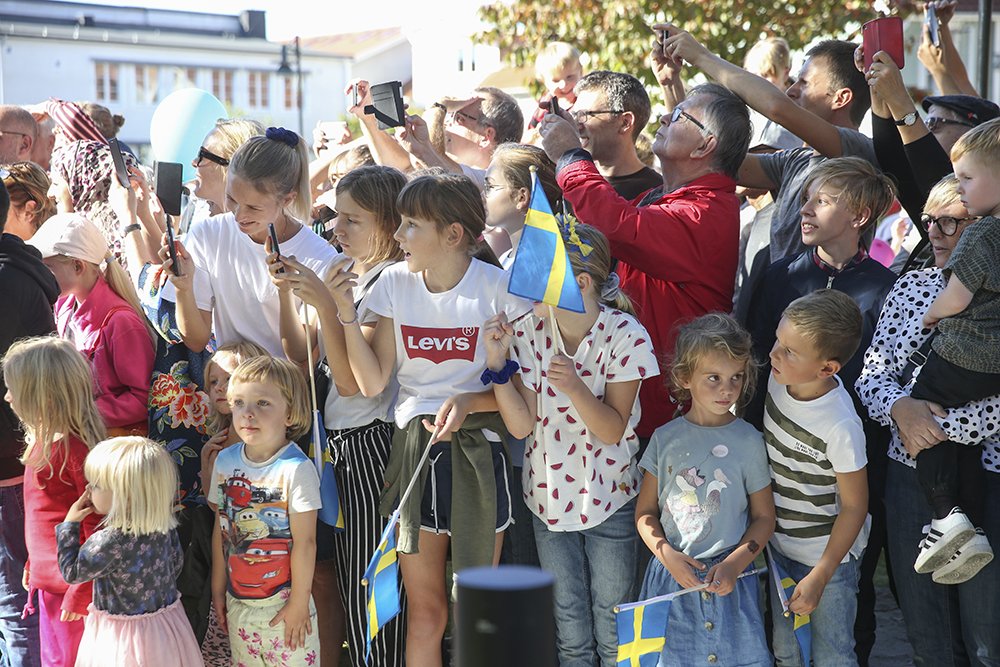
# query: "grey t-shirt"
790,169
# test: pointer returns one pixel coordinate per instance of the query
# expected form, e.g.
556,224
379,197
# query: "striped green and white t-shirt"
808,442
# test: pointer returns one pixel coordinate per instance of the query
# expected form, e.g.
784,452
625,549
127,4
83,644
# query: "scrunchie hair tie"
610,290
281,134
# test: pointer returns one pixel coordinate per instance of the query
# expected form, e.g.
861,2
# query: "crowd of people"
788,345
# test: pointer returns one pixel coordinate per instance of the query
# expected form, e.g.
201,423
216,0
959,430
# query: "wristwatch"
908,119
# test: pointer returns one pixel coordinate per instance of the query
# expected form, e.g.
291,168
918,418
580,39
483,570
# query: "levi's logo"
438,345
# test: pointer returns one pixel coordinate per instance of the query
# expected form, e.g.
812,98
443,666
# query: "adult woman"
212,162
946,625
30,206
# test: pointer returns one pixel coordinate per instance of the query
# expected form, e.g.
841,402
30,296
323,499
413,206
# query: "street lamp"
286,70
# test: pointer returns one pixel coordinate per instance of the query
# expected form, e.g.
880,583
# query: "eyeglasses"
211,157
20,134
934,122
455,115
947,224
489,188
7,173
583,116
676,114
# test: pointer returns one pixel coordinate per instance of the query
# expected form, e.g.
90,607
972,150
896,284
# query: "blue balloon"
180,124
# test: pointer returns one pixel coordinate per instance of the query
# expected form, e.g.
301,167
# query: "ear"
627,120
861,219
79,267
841,98
830,368
453,234
706,148
522,199
288,199
585,281
488,138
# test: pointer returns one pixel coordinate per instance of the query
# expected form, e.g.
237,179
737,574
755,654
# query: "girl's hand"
807,594
297,624
340,281
185,281
450,417
69,616
276,267
363,89
497,335
81,509
304,282
210,452
681,567
219,602
722,577
562,375
123,202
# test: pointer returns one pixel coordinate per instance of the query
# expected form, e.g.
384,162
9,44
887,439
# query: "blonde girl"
359,429
430,310
136,617
705,508
99,311
575,400
49,388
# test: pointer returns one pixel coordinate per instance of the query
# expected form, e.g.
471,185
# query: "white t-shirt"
232,281
808,442
439,343
571,479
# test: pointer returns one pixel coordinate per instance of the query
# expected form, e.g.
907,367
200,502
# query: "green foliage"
617,35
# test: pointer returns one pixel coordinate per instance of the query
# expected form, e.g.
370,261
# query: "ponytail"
590,253
276,164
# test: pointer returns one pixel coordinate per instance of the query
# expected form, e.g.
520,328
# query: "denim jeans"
946,625
594,571
831,623
19,642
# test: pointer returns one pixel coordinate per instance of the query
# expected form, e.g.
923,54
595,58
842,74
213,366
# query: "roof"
354,44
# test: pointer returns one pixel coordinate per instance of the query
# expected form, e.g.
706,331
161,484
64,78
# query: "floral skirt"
163,637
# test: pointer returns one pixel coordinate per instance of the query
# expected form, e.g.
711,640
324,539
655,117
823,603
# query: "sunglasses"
934,122
211,157
676,114
7,173
455,115
947,224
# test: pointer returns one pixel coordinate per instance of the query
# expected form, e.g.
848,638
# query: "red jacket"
677,258
48,495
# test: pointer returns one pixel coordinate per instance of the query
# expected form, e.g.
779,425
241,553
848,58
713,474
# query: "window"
147,84
289,93
222,85
185,77
260,93
106,78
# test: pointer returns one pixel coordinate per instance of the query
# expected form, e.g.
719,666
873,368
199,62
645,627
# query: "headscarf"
87,168
73,121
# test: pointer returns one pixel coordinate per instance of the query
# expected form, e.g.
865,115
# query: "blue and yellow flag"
382,584
642,631
319,449
803,633
541,270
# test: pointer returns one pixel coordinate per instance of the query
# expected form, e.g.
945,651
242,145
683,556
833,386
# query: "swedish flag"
541,270
319,449
803,633
381,583
642,631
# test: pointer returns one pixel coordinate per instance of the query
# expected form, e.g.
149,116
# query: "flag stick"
671,596
556,335
420,465
777,584
317,446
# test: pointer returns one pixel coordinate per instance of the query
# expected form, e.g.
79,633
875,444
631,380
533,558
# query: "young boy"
963,364
558,66
816,446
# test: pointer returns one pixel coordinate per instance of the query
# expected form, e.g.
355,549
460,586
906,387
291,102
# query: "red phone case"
883,34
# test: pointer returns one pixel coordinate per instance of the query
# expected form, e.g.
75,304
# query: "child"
431,310
359,429
708,532
99,312
136,617
49,388
963,364
267,494
816,446
559,69
579,407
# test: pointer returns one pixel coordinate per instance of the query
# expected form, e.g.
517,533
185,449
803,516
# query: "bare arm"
194,324
759,531
219,575
295,613
667,73
951,301
517,403
385,149
647,521
943,61
752,174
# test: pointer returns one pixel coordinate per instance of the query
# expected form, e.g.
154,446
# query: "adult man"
18,132
678,244
41,152
611,111
27,292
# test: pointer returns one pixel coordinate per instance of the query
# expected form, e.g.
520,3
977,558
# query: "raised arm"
943,61
385,149
194,324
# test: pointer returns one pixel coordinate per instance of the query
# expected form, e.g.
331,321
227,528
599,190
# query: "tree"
617,35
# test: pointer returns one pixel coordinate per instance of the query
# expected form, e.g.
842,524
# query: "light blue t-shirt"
705,476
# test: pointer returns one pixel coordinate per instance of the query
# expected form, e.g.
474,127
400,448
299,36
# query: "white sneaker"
944,537
967,561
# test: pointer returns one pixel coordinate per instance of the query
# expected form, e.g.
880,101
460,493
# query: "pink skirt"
163,637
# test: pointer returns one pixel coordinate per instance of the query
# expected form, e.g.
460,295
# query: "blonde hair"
142,478
235,352
375,189
597,264
943,195
714,332
830,321
289,380
861,186
29,182
52,388
274,168
231,133
555,57
981,143
769,58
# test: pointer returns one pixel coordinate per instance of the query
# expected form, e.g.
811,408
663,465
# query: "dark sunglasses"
934,122
947,224
6,173
211,157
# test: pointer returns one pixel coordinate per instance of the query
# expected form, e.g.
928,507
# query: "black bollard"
504,617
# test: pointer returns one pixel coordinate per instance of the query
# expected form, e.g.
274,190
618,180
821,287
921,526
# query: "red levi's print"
440,345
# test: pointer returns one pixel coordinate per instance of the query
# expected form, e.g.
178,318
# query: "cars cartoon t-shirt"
254,501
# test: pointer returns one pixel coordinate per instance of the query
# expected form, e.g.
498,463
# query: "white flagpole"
671,596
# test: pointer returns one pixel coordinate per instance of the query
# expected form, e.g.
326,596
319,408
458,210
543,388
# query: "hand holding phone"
274,242
172,249
883,34
119,160
933,25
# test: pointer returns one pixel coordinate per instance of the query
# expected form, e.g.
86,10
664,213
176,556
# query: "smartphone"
167,177
883,34
274,241
119,160
932,23
554,105
172,248
387,105
355,89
